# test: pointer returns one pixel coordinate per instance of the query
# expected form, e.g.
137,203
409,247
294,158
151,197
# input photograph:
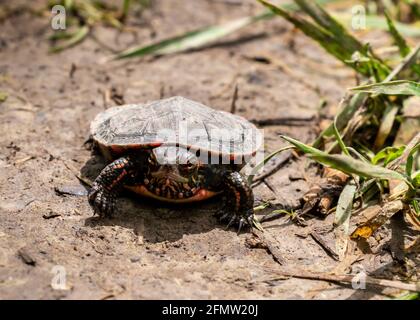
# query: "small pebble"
26,257
50,215
135,259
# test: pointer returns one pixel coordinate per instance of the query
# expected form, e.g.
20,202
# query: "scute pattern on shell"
165,122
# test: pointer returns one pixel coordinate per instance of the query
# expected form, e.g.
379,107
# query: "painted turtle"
175,150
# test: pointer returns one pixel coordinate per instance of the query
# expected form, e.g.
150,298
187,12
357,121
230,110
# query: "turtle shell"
176,121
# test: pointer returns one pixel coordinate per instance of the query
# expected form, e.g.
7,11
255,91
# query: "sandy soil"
150,251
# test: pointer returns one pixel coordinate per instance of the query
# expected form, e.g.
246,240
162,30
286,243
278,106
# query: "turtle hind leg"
108,184
239,200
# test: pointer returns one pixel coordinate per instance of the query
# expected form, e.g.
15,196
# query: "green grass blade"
345,204
189,40
76,38
264,161
378,22
333,38
200,37
339,139
416,180
398,38
388,154
322,36
410,159
362,169
347,164
303,147
351,105
342,218
397,87
409,296
326,21
3,96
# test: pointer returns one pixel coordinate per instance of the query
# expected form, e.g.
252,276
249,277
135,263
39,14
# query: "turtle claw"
232,220
223,216
102,201
242,221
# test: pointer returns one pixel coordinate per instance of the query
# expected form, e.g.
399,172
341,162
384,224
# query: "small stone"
135,259
50,214
73,190
293,176
26,257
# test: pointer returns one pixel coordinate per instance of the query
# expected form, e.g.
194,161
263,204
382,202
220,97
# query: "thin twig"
289,121
407,60
324,245
234,98
272,246
348,279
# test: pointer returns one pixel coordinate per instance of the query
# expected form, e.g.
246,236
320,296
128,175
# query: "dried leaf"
412,218
373,217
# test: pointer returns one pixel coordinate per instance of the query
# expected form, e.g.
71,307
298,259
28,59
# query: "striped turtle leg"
239,200
109,183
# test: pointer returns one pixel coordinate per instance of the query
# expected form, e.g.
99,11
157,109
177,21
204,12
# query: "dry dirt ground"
150,251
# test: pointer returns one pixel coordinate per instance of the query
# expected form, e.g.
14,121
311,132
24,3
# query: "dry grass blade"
409,61
411,145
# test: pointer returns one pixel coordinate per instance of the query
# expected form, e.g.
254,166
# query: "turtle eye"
188,167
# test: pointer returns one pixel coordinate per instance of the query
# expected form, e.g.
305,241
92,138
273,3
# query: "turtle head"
175,173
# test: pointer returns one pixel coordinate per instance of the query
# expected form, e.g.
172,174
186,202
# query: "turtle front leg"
108,184
238,200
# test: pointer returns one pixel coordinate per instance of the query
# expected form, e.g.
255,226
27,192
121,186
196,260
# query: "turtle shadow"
155,223
93,166
150,219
